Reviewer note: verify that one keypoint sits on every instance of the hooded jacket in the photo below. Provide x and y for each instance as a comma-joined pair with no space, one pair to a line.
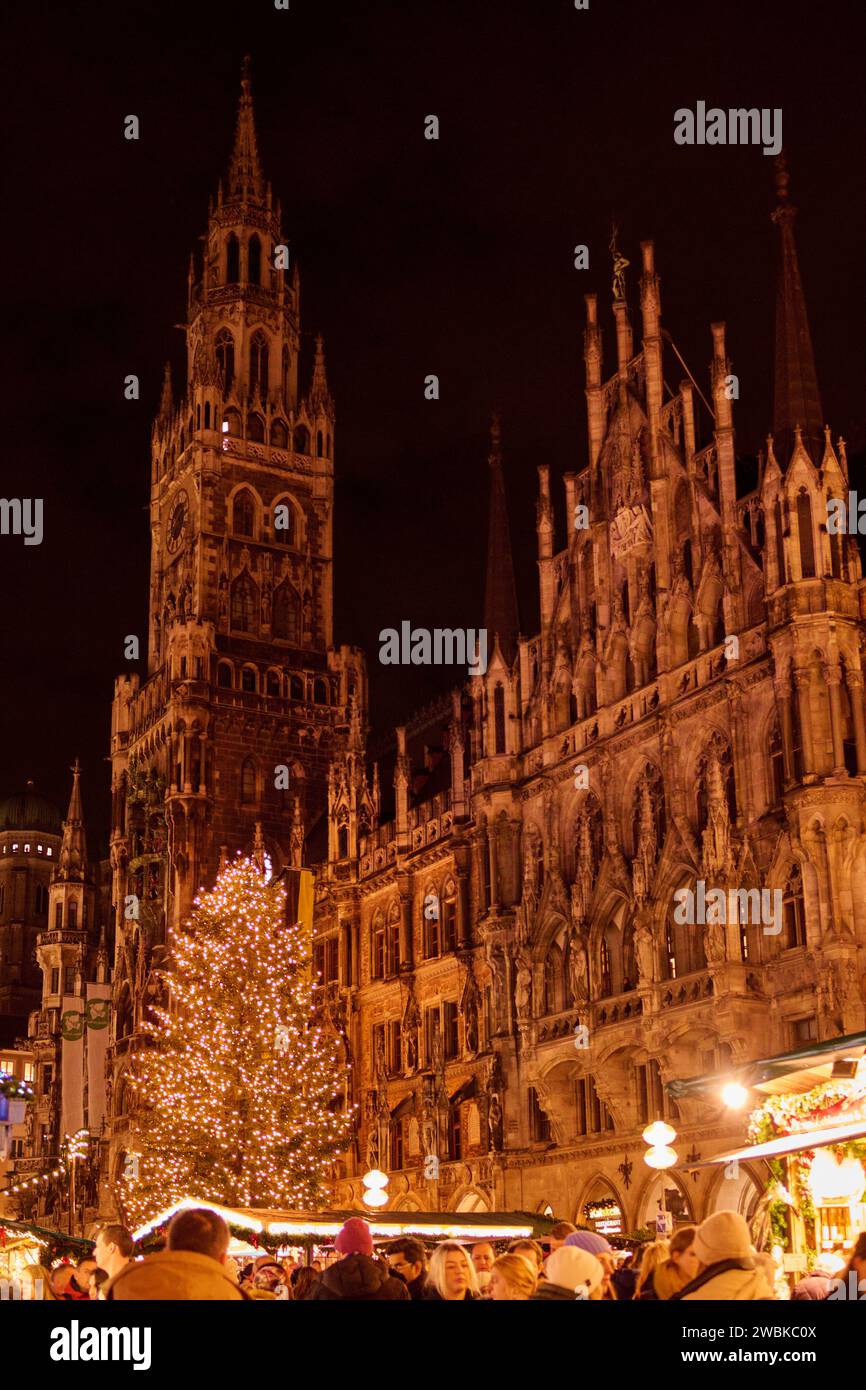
738,1280
361,1278
173,1275
547,1292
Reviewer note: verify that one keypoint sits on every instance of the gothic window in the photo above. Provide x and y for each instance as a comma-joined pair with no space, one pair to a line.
396,1146
451,1032
499,719
41,899
553,980
302,440
455,1134
849,742
793,915
431,917
343,842
688,566
378,948
807,542
259,364
279,434
296,688
684,947
393,943
777,765
224,676
285,620
448,910
244,607
780,541
274,683
248,782
232,423
320,692
319,443
233,260
248,679
243,514
797,741
287,532
254,261
284,374
207,415
606,971
255,428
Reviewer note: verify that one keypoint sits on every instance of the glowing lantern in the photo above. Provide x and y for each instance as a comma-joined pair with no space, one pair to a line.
660,1156
375,1183
659,1133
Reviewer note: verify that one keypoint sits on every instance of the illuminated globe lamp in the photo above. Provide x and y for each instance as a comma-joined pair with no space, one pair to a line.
734,1095
375,1183
660,1155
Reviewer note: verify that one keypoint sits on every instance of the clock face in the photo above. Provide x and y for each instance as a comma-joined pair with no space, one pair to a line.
178,522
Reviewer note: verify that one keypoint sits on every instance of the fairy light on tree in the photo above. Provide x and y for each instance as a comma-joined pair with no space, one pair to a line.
235,1090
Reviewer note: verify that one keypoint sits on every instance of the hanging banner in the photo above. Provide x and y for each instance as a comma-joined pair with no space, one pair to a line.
97,1013
72,1065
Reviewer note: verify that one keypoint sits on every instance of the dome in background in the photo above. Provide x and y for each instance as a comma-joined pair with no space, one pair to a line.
29,811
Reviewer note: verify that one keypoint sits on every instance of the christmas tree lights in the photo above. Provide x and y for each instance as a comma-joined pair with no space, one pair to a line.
236,1091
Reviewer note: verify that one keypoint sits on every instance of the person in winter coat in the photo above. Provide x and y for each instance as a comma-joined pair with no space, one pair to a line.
192,1267
451,1277
572,1275
816,1286
727,1267
406,1258
676,1271
653,1255
358,1277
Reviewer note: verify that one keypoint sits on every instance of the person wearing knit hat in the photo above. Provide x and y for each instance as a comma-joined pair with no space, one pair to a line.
590,1241
727,1267
358,1277
572,1274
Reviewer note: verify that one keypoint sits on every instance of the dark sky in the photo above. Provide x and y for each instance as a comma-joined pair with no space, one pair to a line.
453,257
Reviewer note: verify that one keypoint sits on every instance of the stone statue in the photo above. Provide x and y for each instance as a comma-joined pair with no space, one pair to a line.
494,1122
523,993
620,265
714,941
373,1145
577,972
472,1025
644,953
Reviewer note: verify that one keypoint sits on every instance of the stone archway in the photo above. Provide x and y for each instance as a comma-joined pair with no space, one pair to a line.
679,1202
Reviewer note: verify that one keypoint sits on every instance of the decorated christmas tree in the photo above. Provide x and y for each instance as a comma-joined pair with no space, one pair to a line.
237,1092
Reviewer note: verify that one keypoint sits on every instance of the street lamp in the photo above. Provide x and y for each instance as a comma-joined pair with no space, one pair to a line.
375,1183
660,1155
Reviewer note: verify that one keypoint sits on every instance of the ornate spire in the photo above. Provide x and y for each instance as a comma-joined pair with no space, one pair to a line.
245,181
500,594
73,848
319,393
796,400
166,400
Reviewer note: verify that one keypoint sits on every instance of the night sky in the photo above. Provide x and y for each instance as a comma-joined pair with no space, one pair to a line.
453,257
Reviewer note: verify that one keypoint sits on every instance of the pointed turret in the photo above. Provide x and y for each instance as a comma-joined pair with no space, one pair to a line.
73,850
319,393
796,400
166,400
500,593
245,181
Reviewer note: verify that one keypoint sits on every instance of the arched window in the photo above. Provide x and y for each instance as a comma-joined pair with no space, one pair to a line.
273,683
255,428
553,980
377,947
198,417
285,620
285,522
320,692
232,418
807,542
296,688
225,356
777,765
207,415
793,915
343,842
259,364
224,676
248,679
279,435
780,542
605,969
254,261
243,513
688,566
233,260
302,440
244,604
499,719
393,941
448,909
248,782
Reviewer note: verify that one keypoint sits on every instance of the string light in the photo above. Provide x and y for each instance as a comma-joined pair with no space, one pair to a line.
236,1087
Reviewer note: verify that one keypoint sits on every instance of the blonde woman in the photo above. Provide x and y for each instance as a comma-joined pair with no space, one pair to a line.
656,1253
451,1277
676,1271
513,1278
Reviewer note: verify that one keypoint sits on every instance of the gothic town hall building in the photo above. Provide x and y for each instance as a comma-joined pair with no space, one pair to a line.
494,922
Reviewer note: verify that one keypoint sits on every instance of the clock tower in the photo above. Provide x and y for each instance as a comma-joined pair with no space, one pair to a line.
228,741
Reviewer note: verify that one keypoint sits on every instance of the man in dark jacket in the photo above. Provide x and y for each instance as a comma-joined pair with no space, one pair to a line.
358,1276
406,1258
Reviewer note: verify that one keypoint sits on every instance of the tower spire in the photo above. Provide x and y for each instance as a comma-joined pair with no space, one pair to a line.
73,849
166,400
796,401
319,393
500,594
245,181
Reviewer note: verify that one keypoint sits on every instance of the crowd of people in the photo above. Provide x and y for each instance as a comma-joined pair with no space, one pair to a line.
713,1261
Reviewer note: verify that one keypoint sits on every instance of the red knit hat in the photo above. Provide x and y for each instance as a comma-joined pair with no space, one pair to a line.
354,1237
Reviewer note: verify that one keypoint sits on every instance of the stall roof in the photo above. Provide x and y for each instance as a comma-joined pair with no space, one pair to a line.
299,1226
804,1139
790,1072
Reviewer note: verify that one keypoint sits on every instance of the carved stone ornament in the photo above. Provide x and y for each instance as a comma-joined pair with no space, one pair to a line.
631,527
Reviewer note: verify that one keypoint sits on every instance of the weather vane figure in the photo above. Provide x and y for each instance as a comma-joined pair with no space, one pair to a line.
620,265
